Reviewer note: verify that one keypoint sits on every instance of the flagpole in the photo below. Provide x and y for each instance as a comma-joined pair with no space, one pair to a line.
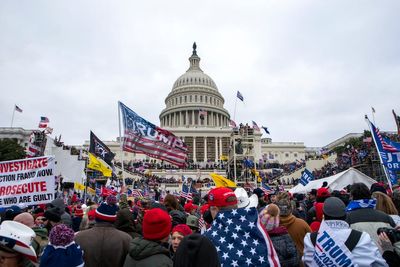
86,183
234,143
120,143
377,149
12,118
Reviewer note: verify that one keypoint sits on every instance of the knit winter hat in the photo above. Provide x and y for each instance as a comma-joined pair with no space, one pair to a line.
53,214
222,197
189,207
269,217
156,224
62,250
182,229
197,251
61,235
107,211
334,207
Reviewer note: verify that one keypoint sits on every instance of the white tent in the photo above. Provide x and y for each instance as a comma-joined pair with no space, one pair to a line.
336,182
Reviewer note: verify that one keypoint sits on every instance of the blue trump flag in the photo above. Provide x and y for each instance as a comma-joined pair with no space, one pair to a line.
306,177
389,152
241,240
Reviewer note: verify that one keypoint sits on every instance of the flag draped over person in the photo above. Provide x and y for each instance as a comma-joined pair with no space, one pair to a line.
141,136
98,148
306,177
221,181
95,164
240,239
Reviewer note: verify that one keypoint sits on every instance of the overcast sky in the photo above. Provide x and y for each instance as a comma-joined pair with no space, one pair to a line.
308,70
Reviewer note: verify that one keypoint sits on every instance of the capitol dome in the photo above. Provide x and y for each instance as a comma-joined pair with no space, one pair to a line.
194,100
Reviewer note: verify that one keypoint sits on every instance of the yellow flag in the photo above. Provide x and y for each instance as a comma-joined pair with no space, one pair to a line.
221,181
79,186
96,164
91,191
223,158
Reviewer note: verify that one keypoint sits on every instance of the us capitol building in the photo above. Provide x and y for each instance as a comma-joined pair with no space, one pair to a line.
195,112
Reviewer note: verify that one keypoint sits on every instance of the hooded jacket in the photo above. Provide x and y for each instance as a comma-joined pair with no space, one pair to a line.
284,247
65,217
297,229
365,253
143,253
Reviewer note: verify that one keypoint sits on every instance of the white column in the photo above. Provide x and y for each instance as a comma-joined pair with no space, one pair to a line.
205,149
181,118
220,146
192,117
187,117
194,149
216,149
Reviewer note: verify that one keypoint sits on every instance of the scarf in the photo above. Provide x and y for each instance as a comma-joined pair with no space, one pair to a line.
361,204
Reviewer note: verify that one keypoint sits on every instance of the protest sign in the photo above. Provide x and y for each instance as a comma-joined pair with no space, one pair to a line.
27,181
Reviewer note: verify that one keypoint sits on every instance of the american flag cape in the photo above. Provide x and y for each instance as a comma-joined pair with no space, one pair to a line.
141,136
240,239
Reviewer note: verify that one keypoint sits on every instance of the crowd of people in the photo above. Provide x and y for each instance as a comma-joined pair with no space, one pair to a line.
357,226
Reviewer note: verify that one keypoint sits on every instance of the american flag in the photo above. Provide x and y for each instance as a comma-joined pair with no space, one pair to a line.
232,124
266,189
141,136
202,224
240,96
43,122
202,112
240,239
185,193
385,142
18,109
136,193
255,126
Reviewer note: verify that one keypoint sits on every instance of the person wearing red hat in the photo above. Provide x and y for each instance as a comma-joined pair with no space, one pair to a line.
149,250
190,208
221,198
315,214
177,234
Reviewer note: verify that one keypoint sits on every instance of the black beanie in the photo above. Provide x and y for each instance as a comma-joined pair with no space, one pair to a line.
53,215
196,250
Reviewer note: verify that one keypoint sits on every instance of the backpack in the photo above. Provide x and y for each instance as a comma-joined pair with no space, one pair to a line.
350,243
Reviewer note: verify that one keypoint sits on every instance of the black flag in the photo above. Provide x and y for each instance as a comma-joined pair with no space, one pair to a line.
98,148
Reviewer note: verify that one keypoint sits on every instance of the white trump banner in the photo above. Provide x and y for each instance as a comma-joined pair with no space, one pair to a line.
27,181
